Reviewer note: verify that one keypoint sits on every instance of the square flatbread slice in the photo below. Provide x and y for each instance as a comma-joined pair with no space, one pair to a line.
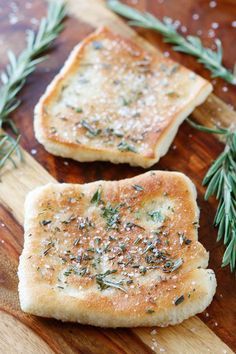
115,101
115,254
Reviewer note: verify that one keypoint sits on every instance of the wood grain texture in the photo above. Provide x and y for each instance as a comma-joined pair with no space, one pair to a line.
194,160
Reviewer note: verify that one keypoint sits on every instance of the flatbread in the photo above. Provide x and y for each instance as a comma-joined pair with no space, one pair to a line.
115,254
116,101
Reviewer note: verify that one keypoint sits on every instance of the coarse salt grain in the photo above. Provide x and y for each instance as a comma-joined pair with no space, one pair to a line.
34,21
13,19
176,24
212,4
33,151
215,25
211,33
195,17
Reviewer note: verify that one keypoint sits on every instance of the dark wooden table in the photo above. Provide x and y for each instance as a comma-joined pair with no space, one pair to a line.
191,152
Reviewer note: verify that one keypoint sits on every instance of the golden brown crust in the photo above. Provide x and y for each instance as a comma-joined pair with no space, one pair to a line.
115,101
115,253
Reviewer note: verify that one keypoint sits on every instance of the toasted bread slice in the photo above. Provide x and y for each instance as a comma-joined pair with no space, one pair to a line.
115,254
115,101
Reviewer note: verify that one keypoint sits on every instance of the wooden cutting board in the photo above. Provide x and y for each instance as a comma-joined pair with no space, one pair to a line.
20,333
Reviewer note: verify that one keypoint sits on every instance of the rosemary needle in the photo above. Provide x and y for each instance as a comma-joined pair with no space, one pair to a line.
212,60
20,67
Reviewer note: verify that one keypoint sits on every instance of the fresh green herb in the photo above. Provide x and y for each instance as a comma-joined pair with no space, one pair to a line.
69,219
97,196
74,270
111,131
125,101
183,239
138,188
156,216
105,283
170,266
97,45
91,249
130,225
50,246
124,146
137,240
76,242
85,223
112,216
142,270
8,146
221,182
173,69
149,247
122,247
179,300
172,94
79,110
212,60
82,271
14,77
45,222
72,257
150,259
93,131
150,311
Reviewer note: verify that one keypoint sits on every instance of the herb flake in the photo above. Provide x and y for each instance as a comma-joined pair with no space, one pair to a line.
96,198
124,146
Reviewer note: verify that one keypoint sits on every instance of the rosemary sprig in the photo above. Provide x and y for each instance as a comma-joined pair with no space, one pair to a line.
7,146
212,60
19,68
221,182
